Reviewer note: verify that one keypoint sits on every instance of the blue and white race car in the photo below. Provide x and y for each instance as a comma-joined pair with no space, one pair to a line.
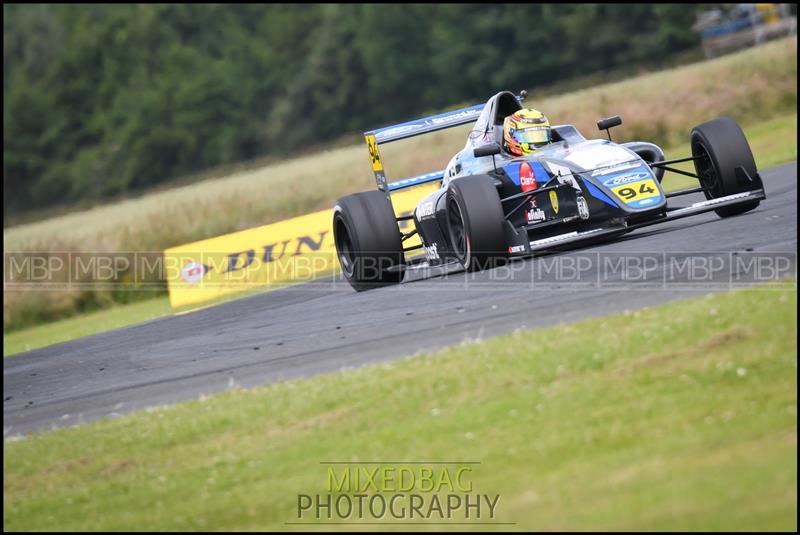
493,205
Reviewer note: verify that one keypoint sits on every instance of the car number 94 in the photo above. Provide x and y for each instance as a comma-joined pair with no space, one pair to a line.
636,191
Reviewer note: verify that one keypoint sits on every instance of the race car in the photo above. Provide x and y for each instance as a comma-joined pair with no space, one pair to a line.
493,206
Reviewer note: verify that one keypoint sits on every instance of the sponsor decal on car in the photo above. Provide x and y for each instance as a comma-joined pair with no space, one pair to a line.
527,178
616,168
534,215
554,201
401,130
464,114
375,156
583,207
625,178
516,249
634,193
432,252
539,174
527,181
425,210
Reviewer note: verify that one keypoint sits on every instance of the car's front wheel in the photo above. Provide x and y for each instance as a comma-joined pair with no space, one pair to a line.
475,222
724,163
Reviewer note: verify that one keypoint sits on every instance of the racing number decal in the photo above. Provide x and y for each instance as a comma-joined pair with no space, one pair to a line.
636,191
377,166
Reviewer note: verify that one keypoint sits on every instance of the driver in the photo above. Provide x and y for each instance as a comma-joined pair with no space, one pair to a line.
525,131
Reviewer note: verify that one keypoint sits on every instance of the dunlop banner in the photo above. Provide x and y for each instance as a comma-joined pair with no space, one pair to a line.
297,249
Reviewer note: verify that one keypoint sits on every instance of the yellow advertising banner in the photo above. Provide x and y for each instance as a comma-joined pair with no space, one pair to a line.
297,249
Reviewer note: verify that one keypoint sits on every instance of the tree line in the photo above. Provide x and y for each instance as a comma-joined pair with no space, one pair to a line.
101,100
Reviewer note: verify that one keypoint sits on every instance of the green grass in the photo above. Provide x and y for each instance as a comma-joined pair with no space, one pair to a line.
84,325
772,141
753,86
679,417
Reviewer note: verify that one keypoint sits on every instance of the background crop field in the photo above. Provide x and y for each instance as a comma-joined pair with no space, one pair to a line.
756,87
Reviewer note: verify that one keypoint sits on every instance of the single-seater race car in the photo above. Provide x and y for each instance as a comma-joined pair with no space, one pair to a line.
493,206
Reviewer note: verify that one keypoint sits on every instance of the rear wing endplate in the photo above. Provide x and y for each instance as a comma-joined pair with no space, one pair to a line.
409,129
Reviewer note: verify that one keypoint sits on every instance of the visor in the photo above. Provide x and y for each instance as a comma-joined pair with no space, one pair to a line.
534,135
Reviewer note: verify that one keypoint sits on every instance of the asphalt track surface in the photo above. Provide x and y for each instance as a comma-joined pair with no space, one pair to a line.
324,326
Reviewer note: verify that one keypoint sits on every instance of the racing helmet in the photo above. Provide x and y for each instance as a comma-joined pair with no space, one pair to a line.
524,131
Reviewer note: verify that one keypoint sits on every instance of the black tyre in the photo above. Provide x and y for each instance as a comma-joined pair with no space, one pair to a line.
475,222
723,148
368,240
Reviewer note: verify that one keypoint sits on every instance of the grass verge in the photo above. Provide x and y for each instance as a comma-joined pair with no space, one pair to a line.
773,142
679,417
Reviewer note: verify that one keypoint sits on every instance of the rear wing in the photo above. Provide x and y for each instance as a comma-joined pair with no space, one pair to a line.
409,129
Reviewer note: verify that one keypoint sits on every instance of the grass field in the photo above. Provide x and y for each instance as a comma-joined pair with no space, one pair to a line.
679,417
773,142
753,86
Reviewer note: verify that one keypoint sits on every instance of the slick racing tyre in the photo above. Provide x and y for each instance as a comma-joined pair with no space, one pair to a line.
725,164
368,240
475,222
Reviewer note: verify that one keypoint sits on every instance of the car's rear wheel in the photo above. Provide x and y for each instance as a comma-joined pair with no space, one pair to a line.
475,222
724,163
368,240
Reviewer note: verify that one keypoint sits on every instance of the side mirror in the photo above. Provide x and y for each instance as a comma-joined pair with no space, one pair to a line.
490,149
611,122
